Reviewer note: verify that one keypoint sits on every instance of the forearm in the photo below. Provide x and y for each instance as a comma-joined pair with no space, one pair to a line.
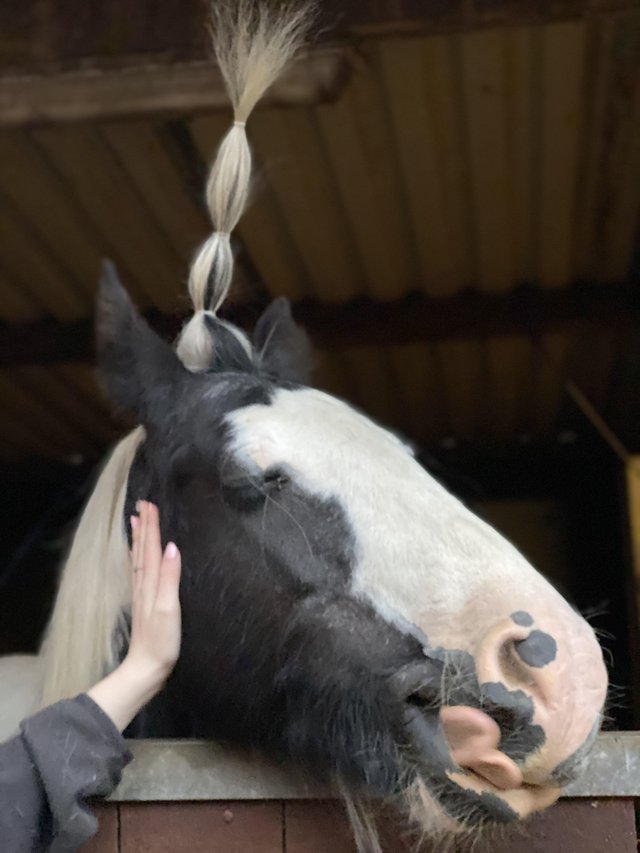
125,691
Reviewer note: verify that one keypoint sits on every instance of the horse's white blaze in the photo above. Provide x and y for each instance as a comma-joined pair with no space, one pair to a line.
420,552
21,686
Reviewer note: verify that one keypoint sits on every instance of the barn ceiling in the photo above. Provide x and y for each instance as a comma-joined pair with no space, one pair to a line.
473,193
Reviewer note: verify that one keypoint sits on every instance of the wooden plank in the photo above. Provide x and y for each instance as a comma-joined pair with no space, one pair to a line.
592,826
149,267
429,139
359,144
569,827
106,839
262,228
485,95
154,89
317,827
233,827
300,177
561,89
364,322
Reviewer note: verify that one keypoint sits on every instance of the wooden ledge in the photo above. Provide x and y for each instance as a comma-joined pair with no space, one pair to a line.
196,770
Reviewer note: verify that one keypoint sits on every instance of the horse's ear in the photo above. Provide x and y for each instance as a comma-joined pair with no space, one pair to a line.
282,346
140,370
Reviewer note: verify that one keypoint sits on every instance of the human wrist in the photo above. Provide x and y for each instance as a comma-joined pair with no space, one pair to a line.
125,691
144,678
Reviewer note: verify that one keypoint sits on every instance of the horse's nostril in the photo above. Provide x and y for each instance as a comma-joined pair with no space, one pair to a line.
419,700
537,650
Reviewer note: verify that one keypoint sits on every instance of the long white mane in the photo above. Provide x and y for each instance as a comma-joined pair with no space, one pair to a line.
253,42
95,586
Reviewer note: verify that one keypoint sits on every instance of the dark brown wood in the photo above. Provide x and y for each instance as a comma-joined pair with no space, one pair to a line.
366,322
106,841
571,826
117,33
317,827
157,89
209,827
579,826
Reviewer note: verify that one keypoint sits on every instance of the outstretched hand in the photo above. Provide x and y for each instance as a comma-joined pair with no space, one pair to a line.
155,623
155,611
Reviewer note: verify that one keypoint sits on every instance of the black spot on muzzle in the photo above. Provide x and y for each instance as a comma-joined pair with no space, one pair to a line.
538,649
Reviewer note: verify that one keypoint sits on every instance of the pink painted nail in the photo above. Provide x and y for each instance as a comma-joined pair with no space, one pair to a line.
171,551
135,521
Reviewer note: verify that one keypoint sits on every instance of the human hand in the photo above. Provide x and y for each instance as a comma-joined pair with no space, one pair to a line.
155,624
155,610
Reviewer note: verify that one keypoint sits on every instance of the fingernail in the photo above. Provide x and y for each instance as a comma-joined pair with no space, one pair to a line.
138,506
171,551
135,521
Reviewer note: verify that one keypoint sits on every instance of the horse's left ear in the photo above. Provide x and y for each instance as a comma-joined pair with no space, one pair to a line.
141,372
282,346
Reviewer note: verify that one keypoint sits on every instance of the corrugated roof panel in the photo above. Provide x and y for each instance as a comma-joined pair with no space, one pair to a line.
290,149
422,89
148,264
359,145
150,170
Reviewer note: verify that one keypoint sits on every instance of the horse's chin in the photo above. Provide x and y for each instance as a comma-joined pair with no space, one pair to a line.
431,821
427,817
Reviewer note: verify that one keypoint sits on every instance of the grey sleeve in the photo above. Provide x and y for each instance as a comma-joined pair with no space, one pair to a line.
64,755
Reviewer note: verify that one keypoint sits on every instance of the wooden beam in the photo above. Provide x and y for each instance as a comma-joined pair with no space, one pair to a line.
64,36
158,89
364,322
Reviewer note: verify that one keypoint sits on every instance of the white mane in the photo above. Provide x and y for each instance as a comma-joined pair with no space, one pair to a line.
95,586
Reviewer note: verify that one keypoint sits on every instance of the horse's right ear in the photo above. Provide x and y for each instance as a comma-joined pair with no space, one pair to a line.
140,370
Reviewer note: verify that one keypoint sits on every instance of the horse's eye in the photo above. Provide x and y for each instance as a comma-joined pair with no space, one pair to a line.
275,478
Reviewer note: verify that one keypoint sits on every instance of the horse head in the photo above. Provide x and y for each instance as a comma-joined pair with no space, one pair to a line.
341,608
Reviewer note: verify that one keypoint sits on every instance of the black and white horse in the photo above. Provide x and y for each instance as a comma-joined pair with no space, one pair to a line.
342,610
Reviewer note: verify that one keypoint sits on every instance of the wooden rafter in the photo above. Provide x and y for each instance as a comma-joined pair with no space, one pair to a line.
366,322
155,88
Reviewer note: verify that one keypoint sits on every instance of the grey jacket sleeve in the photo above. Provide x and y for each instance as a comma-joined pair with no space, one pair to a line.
65,754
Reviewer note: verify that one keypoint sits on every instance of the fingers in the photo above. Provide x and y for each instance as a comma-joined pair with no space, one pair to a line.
135,556
156,575
167,597
151,555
